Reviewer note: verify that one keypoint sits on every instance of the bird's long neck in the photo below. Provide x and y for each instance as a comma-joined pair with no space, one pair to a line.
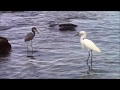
33,32
82,38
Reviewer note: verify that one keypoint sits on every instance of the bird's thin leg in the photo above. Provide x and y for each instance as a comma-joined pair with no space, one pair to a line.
31,46
91,59
88,59
27,48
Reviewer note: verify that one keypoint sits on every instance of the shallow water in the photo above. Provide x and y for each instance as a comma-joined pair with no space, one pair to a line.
59,54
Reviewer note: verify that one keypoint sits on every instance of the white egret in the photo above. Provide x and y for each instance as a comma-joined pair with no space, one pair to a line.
30,36
88,44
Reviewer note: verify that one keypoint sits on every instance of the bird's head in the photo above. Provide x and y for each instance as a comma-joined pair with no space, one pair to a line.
34,29
81,33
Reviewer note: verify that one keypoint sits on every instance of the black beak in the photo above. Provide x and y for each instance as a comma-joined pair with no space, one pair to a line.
77,35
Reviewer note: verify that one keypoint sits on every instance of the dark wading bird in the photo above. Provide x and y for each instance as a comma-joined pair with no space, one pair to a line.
30,36
88,44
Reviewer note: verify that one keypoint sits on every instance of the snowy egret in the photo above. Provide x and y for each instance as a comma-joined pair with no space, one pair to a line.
30,36
87,44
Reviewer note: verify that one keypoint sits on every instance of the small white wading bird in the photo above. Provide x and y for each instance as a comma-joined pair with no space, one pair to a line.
87,44
30,36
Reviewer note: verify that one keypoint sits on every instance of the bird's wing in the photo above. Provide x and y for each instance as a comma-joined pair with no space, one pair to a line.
90,45
29,36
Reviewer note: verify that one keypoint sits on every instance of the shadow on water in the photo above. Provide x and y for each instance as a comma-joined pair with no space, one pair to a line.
31,57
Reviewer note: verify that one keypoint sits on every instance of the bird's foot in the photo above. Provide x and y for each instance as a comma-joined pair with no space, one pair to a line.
88,72
30,56
91,69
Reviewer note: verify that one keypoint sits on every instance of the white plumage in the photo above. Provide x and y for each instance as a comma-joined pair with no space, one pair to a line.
90,45
86,43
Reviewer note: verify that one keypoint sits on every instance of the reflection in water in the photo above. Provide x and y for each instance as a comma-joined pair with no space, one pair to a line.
31,57
88,71
96,74
91,76
5,55
29,53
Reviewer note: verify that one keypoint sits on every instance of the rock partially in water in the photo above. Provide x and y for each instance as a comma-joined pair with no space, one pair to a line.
52,24
67,26
5,27
5,46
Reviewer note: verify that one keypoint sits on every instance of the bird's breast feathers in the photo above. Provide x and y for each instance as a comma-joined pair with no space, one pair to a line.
29,36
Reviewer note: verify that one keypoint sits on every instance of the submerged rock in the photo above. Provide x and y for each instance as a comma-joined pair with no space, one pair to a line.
67,26
5,46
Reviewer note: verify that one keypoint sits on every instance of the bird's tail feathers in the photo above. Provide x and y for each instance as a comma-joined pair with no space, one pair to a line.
97,50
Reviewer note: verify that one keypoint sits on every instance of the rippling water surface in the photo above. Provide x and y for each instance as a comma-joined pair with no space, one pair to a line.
58,54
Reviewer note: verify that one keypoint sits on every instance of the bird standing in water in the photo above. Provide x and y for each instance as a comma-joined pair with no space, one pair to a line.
88,44
30,36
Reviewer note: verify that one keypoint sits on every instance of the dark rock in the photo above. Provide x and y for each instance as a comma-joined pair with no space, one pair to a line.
65,27
5,46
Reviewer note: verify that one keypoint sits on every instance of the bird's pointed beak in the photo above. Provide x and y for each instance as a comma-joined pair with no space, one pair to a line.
76,35
37,31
